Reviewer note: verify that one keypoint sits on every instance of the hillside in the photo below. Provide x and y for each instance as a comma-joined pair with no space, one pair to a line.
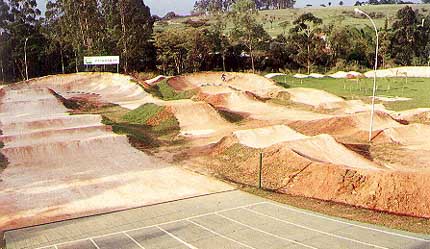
330,15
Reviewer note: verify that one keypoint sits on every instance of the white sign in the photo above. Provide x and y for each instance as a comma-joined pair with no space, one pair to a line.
101,60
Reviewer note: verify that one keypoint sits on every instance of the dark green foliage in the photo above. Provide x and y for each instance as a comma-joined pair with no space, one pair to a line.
230,116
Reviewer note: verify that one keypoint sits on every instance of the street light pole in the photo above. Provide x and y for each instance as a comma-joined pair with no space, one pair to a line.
358,11
25,58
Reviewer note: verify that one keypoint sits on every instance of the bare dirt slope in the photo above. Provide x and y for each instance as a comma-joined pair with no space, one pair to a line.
267,136
197,118
62,166
321,148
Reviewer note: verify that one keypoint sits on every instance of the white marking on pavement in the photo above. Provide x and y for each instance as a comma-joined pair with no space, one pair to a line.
132,239
220,235
262,231
347,223
160,224
94,243
315,230
177,238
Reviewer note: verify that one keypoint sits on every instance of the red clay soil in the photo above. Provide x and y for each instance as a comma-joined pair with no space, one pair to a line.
164,115
286,171
353,127
180,83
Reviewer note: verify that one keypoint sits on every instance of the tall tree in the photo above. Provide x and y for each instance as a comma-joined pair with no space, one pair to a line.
84,25
405,36
136,31
5,45
247,30
220,39
307,36
22,30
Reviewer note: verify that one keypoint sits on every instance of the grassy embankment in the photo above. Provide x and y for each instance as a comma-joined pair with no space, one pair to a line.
164,91
337,15
148,126
416,89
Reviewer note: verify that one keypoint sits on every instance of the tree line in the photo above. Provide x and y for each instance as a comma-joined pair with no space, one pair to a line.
232,40
236,40
70,30
206,6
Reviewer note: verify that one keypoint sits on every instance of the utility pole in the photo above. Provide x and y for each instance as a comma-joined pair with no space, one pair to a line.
25,58
375,70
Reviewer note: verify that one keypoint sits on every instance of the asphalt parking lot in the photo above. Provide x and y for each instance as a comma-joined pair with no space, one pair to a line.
232,219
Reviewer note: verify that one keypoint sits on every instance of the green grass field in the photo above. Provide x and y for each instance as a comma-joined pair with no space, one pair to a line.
418,89
330,15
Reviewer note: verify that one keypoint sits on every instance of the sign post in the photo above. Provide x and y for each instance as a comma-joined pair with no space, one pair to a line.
102,60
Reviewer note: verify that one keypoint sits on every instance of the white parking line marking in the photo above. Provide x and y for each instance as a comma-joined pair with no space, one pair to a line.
94,243
132,239
177,238
160,224
347,223
262,231
315,230
220,235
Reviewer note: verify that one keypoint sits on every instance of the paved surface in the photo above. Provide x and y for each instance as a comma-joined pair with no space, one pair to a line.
225,220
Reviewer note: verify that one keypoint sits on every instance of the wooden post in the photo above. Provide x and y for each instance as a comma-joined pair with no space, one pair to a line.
260,171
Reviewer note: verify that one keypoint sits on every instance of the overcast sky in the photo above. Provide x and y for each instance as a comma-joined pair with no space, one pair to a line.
161,7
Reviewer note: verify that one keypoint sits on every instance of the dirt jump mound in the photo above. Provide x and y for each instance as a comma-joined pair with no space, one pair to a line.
321,168
109,88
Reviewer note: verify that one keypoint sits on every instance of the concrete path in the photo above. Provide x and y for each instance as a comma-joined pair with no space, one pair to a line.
232,219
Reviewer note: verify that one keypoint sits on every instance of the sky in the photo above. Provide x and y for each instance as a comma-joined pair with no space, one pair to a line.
161,7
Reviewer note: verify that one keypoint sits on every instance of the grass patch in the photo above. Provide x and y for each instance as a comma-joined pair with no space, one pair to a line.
142,114
164,91
134,125
406,223
417,89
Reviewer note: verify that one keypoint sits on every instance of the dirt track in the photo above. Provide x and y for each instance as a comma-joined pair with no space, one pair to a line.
63,166
317,166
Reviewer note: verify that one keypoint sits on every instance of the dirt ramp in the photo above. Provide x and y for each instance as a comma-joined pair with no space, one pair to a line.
32,102
256,84
319,168
49,136
240,102
414,136
313,97
110,88
17,126
356,125
419,115
267,136
325,149
197,118
388,191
